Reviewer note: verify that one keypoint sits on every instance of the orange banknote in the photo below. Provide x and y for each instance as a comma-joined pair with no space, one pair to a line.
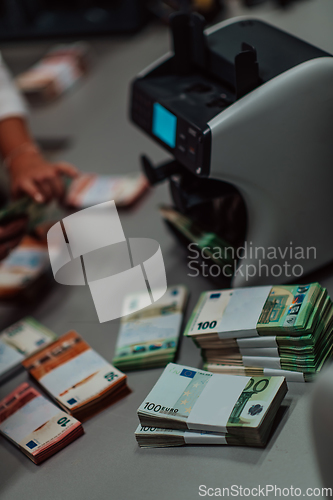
76,376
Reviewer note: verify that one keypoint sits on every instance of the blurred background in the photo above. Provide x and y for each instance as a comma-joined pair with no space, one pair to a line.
40,19
122,37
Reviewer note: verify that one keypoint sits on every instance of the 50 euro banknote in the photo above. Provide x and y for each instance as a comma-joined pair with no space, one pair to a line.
80,380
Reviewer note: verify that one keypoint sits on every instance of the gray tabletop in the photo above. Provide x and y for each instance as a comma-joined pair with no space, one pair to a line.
106,462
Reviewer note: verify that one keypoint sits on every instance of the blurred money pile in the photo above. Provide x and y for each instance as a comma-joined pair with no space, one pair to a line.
91,189
20,340
35,425
149,338
24,207
80,380
28,262
57,72
281,330
192,402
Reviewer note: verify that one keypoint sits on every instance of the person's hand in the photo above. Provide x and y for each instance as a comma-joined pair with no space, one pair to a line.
11,235
31,174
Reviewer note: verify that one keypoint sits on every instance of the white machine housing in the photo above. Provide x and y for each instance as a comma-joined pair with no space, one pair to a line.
273,142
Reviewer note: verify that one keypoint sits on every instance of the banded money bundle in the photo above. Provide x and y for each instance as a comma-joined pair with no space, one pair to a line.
35,425
281,330
237,410
80,380
156,437
23,207
26,264
55,73
212,247
91,189
19,341
149,338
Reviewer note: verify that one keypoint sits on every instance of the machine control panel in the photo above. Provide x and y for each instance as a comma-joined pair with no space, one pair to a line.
188,144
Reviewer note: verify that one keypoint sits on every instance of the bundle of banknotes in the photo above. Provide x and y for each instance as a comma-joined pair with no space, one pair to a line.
188,405
20,340
35,425
80,380
156,437
91,189
37,214
281,330
57,72
218,250
28,262
149,338
24,207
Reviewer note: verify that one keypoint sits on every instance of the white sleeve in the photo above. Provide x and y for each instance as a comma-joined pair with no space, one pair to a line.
11,101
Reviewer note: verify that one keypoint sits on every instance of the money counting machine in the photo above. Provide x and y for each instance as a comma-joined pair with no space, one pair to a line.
246,111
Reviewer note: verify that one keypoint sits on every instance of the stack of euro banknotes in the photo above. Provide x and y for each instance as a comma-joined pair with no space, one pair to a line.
282,330
79,380
149,338
191,406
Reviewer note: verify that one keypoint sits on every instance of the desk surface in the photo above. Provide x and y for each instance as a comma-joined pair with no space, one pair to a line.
106,462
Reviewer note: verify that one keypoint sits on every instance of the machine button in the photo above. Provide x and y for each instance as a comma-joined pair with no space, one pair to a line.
192,148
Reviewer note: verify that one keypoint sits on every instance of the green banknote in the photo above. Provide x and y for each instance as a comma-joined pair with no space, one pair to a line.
149,338
217,249
293,308
190,399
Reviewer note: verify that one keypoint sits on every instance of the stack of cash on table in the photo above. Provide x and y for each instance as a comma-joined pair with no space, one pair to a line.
19,341
149,338
35,425
90,189
55,73
26,264
191,406
80,380
281,330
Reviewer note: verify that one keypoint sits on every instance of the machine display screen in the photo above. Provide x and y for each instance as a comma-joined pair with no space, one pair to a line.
164,125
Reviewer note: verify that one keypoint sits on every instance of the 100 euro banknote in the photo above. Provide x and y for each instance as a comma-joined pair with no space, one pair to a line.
150,337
